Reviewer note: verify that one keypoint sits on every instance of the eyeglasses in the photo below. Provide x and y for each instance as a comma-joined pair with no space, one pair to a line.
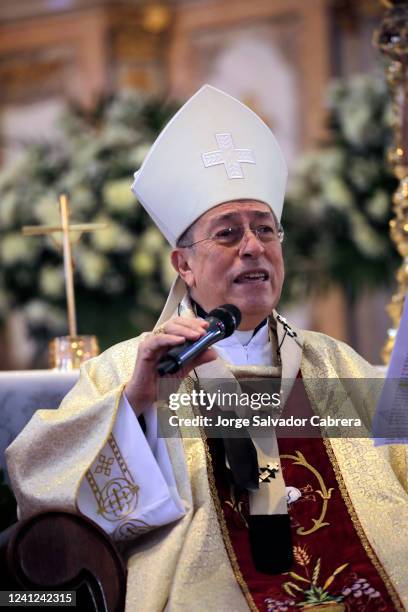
231,236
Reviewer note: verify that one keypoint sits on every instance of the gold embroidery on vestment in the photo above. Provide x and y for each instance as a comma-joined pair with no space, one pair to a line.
119,458
104,442
120,495
360,531
299,459
104,465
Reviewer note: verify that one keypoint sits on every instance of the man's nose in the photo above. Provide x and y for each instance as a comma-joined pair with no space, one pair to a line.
250,244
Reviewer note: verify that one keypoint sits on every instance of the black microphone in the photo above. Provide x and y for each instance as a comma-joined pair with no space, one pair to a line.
223,322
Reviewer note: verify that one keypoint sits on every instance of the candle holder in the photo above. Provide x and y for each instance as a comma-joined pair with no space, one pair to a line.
70,352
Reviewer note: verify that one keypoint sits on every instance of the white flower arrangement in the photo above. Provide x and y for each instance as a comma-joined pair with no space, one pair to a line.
342,193
143,263
52,281
14,249
118,196
116,269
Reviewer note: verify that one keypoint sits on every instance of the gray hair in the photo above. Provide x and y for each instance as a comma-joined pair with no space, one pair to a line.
187,237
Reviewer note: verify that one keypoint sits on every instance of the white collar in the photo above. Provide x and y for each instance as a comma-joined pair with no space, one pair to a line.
247,338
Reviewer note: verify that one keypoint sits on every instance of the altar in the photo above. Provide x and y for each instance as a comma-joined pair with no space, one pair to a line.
24,392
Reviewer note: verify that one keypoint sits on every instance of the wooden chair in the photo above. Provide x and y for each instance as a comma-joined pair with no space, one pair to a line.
61,551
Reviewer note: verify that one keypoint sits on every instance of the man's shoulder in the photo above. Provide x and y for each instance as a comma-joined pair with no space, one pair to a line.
314,338
332,357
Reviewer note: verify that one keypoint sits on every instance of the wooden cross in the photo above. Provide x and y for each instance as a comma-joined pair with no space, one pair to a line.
65,228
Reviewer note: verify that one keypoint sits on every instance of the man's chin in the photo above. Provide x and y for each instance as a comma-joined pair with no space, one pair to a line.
252,306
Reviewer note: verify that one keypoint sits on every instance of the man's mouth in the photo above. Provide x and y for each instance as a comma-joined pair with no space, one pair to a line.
252,277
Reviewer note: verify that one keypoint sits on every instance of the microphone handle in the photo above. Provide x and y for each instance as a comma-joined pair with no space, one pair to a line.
179,356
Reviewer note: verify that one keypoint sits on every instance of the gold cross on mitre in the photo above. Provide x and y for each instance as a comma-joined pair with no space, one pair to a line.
65,228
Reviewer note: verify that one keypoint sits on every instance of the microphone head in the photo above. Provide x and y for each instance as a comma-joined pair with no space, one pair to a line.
229,315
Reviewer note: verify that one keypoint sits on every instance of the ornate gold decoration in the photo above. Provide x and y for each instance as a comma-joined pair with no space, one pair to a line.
324,492
312,592
70,352
156,18
119,496
117,499
391,38
104,465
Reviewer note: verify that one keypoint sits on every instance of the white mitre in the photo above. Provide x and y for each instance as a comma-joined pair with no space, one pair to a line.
214,150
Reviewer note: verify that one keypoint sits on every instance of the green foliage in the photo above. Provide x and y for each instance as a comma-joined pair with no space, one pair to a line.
338,204
317,595
122,273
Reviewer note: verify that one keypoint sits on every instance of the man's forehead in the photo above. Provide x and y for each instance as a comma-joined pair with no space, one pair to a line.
235,208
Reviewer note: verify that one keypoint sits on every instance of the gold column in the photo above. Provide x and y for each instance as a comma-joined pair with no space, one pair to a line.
391,38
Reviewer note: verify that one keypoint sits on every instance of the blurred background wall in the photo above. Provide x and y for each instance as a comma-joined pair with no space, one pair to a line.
277,56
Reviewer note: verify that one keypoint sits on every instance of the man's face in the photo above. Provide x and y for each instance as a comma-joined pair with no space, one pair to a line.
248,274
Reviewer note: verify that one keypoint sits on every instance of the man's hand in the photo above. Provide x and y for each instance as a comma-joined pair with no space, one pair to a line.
141,390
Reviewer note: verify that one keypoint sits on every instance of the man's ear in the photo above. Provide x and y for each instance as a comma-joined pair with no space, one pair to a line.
180,263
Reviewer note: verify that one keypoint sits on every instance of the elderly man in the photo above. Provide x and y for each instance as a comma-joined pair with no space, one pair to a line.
254,522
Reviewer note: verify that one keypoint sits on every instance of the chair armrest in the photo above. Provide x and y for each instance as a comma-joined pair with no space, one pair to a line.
61,551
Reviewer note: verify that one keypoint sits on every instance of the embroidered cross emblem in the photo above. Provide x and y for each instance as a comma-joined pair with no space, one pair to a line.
104,465
268,472
229,156
118,499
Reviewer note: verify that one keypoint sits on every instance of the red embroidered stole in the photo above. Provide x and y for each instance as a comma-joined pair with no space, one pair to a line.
334,566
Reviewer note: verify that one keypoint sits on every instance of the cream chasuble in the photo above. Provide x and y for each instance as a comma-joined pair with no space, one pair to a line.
138,468
187,564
